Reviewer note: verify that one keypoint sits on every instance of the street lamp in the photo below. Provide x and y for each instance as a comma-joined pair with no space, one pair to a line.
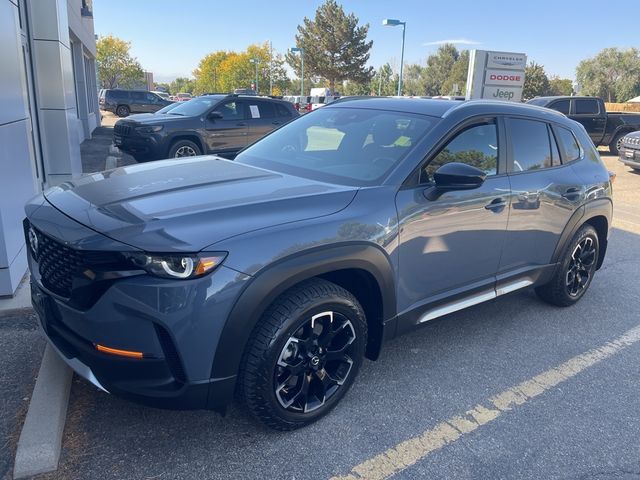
389,22
296,49
256,62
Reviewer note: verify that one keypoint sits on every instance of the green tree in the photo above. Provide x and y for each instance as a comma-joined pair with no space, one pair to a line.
116,66
384,81
439,68
612,74
208,71
560,86
457,76
182,85
335,47
536,82
414,81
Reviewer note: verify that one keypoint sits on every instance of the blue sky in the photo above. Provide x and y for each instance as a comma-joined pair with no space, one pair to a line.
169,37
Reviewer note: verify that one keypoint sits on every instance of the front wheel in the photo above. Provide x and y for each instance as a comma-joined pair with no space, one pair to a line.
123,111
184,148
303,355
575,272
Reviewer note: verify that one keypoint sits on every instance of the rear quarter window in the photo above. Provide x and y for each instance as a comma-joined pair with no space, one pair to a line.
568,143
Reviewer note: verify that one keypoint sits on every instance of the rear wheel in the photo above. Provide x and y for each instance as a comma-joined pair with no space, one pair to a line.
123,111
303,355
575,273
616,144
184,148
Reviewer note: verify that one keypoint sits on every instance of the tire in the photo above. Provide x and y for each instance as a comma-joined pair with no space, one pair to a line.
184,148
575,270
123,111
283,374
616,143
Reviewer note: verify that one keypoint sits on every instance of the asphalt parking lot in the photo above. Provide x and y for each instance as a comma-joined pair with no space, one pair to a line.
579,421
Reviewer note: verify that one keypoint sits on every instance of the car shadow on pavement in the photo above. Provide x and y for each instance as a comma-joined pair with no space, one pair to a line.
430,374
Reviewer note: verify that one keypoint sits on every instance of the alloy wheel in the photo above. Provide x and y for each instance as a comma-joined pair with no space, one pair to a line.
185,151
581,266
314,362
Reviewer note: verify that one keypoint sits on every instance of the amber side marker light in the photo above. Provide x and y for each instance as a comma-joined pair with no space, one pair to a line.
117,351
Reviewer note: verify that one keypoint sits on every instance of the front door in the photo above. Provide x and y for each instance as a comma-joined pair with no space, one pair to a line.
229,133
451,241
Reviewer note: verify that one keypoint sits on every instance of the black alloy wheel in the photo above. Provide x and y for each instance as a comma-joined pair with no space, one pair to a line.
303,355
315,362
581,266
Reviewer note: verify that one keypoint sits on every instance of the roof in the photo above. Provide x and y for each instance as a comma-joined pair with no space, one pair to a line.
442,108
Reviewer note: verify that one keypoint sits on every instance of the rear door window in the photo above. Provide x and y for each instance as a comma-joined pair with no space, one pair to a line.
587,106
282,111
266,109
530,147
140,97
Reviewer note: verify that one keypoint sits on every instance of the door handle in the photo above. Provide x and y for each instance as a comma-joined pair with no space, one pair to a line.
571,193
496,205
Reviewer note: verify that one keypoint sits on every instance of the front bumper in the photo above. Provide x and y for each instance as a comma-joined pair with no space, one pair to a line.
630,157
175,324
148,145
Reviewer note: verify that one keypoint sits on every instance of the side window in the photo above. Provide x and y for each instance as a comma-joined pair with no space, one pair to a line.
561,106
587,107
282,111
138,96
231,110
530,145
476,145
568,144
152,98
267,110
555,153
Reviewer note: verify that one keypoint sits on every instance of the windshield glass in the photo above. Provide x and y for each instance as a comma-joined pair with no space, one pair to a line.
168,108
195,106
340,145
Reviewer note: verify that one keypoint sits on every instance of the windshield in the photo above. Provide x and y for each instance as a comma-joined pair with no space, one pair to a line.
340,145
169,107
195,106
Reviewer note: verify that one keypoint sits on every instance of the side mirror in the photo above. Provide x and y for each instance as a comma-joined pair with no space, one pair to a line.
215,116
458,176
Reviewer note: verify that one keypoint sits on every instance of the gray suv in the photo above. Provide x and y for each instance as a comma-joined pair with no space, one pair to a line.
182,282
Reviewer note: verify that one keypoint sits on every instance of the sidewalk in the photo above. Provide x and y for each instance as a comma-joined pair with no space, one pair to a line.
21,346
94,151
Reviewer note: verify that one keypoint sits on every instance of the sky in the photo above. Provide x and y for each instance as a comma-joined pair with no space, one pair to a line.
169,38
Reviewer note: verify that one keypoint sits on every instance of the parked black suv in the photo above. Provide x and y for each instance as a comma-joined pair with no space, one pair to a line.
218,124
125,102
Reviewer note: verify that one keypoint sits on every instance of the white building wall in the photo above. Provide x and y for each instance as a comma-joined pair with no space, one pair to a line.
46,110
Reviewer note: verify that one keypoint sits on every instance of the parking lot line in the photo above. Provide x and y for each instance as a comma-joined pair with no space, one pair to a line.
411,451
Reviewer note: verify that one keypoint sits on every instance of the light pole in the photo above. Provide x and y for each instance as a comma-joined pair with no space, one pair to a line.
389,22
256,62
296,49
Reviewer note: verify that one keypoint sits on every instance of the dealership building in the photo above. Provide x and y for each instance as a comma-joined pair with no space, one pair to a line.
49,106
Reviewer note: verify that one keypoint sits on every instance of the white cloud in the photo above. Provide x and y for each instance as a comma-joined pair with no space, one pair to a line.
455,41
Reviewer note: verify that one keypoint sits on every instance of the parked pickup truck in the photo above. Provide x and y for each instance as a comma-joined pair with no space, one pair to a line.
604,128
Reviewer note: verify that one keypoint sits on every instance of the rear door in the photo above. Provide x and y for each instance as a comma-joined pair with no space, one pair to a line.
590,113
545,192
229,133
262,119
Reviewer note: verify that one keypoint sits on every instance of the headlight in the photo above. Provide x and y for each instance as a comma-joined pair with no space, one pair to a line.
149,129
178,266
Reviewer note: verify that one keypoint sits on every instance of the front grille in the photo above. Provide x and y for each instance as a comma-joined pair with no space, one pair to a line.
57,264
123,130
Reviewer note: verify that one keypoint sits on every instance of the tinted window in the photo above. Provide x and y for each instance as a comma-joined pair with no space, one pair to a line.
282,111
569,144
267,109
341,145
530,145
477,146
232,110
195,106
587,107
139,96
562,106
118,94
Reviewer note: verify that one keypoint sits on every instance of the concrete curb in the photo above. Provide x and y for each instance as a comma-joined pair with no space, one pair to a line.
41,437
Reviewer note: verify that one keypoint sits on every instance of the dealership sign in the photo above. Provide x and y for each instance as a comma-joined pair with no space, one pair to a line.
496,75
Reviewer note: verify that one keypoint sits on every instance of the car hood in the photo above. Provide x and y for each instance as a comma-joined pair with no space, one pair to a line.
152,118
186,205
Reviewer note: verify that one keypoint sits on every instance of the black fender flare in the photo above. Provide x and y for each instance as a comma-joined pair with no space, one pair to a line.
271,282
185,135
591,209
